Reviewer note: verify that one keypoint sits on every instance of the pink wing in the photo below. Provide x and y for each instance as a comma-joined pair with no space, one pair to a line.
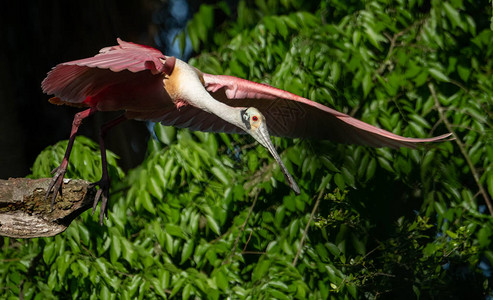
115,66
293,116
125,56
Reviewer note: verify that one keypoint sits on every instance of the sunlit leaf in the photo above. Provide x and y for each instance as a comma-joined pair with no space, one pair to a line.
438,75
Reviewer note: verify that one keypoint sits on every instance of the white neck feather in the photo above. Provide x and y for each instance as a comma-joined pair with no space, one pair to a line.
194,93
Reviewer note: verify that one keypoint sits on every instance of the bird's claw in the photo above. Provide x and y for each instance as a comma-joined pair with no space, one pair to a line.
102,193
54,170
56,183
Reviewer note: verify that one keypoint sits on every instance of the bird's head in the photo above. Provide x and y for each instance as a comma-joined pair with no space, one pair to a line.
254,123
253,120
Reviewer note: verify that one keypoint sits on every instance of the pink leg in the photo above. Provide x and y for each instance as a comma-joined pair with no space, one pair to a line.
59,173
104,183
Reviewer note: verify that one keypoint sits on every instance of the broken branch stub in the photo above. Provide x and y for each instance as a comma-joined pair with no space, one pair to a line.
25,212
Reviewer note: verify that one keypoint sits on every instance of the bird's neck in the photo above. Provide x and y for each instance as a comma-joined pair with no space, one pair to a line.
185,84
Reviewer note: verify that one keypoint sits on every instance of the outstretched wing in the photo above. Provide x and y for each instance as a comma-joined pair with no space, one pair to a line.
119,75
76,80
293,116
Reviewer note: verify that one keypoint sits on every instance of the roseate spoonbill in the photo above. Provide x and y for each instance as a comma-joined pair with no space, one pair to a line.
148,85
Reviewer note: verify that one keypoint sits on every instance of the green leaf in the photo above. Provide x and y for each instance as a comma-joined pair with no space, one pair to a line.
419,120
370,171
221,280
166,134
452,234
237,69
359,245
154,187
128,251
252,161
281,27
489,182
453,15
328,163
278,285
175,230
115,249
348,177
146,201
279,216
52,280
439,208
367,84
421,78
83,267
260,270
213,224
335,72
438,75
339,180
374,37
49,253
290,203
384,163
221,175
484,235
188,249
104,293
333,249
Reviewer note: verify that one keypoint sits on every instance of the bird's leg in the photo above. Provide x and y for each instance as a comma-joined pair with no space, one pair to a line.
104,182
59,172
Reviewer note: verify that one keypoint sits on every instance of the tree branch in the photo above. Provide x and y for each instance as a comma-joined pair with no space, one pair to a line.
462,148
237,240
305,232
25,212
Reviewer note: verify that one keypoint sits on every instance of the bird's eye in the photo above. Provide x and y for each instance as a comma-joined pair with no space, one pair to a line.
255,118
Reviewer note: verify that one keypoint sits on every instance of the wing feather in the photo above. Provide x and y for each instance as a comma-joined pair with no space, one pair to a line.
196,119
290,115
129,56
76,80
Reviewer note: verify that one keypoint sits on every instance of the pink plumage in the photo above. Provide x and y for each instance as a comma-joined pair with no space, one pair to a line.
116,69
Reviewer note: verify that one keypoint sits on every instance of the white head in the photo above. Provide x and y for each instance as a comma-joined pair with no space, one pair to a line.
253,122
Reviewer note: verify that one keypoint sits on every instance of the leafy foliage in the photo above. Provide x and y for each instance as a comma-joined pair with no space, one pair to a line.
210,216
84,163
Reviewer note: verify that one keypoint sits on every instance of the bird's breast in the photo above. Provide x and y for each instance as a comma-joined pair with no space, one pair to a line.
182,82
173,87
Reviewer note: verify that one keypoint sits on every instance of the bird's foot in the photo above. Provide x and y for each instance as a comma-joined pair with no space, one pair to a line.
56,182
102,194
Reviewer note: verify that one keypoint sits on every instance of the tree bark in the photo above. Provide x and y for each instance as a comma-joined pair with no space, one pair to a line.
26,213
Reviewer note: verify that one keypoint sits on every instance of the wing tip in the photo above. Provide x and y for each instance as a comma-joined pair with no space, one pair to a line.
414,143
444,137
